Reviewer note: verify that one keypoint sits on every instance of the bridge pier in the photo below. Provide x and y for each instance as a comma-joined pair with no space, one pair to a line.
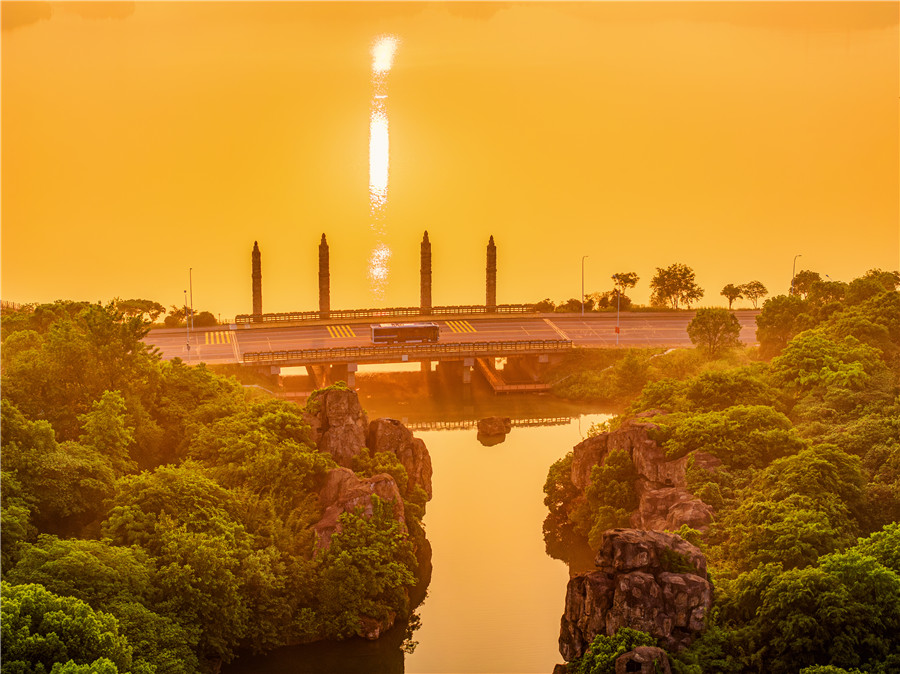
345,372
467,365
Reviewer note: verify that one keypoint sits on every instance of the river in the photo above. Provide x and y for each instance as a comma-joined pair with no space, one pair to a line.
495,598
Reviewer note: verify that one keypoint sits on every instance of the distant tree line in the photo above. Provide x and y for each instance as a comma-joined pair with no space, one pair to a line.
672,287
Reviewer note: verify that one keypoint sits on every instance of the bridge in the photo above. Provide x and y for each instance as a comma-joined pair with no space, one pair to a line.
333,343
528,340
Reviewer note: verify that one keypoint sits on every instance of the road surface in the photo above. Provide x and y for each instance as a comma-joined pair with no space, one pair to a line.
226,344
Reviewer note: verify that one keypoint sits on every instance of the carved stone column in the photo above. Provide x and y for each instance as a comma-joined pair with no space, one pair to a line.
324,281
425,276
257,280
491,289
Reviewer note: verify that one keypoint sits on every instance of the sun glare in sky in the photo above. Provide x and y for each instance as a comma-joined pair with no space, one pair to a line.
144,139
379,162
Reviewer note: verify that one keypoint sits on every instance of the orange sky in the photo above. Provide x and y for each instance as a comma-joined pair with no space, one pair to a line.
141,139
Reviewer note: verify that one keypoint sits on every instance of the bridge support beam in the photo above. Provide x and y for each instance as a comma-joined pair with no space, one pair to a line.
345,372
468,364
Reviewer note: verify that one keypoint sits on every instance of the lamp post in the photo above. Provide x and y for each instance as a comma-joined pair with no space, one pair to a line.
191,286
582,284
794,271
187,328
618,295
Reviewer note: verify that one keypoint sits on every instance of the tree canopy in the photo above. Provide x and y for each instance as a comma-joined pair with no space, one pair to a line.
675,287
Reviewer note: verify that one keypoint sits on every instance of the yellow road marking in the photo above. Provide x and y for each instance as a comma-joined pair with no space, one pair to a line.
217,337
460,326
338,331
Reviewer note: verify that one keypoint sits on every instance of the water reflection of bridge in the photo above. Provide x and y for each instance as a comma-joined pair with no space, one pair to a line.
466,424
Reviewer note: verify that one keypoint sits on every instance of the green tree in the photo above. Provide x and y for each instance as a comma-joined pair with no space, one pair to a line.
753,291
611,495
65,484
104,430
741,436
204,319
845,613
714,330
625,280
600,657
40,629
675,287
803,282
732,292
365,571
782,317
717,390
147,310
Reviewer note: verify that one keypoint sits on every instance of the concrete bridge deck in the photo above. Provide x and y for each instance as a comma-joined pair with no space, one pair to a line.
324,342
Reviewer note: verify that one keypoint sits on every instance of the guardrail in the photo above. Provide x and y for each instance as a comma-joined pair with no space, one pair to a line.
393,312
467,424
403,352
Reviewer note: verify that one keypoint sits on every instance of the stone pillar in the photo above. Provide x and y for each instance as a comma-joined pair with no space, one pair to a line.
491,294
324,281
468,364
257,280
425,276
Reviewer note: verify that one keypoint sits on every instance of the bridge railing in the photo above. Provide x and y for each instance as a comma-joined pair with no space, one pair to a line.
402,352
393,312
466,424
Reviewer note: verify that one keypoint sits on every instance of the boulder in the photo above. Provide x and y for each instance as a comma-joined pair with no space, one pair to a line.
646,580
344,492
338,424
494,426
389,435
663,499
644,660
630,436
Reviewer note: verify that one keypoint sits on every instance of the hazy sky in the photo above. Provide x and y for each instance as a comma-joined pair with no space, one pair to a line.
143,139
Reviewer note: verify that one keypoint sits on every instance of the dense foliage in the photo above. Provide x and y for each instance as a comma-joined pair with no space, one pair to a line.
803,546
156,519
600,656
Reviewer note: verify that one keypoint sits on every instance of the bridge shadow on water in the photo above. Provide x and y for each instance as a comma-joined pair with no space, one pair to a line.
432,401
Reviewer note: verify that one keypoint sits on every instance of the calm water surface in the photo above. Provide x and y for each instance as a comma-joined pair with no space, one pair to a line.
495,598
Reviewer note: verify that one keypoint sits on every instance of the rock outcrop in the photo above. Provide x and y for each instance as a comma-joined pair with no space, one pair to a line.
389,435
644,660
338,424
494,426
646,580
344,492
663,499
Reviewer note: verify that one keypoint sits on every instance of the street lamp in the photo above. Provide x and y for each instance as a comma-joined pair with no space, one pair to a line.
794,271
618,295
582,284
187,328
191,286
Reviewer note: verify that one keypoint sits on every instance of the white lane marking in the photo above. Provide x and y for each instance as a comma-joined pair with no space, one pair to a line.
558,331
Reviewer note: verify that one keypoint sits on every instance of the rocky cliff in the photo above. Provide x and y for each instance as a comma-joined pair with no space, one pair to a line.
340,427
646,580
663,499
